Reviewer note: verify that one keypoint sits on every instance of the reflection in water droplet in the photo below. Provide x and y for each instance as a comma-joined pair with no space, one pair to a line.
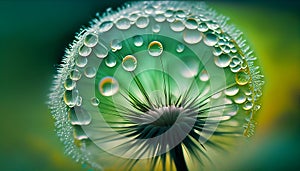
110,61
191,23
142,22
90,72
248,105
84,50
69,84
138,40
75,75
210,39
204,75
177,26
180,48
192,36
202,27
81,61
91,40
100,50
242,78
95,101
116,45
108,86
123,24
129,63
155,48
105,26
222,60
231,91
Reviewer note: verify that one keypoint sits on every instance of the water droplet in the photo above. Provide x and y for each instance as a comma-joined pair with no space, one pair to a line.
222,60
133,17
69,84
192,36
156,28
242,78
212,25
70,97
79,101
248,105
239,98
169,13
210,39
217,51
95,101
108,86
90,72
180,14
177,26
191,23
256,107
236,68
81,61
110,61
231,91
79,133
105,26
129,63
138,40
204,75
202,27
160,18
225,48
100,50
91,40
155,48
142,22
84,50
75,75
116,45
123,23
149,9
180,48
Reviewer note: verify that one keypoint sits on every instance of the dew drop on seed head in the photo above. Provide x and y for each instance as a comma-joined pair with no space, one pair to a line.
84,50
90,72
110,61
100,50
69,84
123,23
142,22
191,23
192,36
95,101
177,26
129,63
108,86
204,75
222,60
231,91
180,48
105,26
116,45
242,78
155,48
81,61
138,40
210,39
90,40
75,75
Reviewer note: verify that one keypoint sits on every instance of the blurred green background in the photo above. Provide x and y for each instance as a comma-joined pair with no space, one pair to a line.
34,35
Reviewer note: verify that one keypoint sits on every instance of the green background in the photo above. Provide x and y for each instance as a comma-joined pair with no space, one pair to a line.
34,35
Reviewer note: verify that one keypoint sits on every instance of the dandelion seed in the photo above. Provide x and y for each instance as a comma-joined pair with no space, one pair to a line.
157,85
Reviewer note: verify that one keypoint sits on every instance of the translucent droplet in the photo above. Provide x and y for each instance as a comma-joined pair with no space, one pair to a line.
116,45
142,22
192,36
81,61
84,50
90,72
217,51
79,133
210,39
129,63
75,75
191,23
108,86
110,61
95,101
138,40
133,17
70,97
160,18
248,105
169,13
177,26
123,23
204,75
91,40
156,28
212,25
242,78
231,91
155,48
69,84
202,27
222,60
239,98
236,68
100,50
180,14
105,26
79,101
180,48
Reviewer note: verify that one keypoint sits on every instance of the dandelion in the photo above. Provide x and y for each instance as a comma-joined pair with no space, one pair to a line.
158,85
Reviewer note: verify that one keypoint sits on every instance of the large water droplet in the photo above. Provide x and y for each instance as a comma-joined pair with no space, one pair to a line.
142,22
242,78
231,91
70,97
95,101
123,23
90,72
81,61
116,45
84,50
138,40
108,86
91,40
69,84
75,75
110,61
222,60
129,63
192,36
191,23
210,39
155,48
180,48
204,75
105,26
177,26
100,50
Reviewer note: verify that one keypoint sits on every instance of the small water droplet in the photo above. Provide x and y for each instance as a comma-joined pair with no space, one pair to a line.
133,17
217,51
222,60
231,91
248,105
91,40
177,26
108,86
169,13
180,14
105,26
180,48
155,48
202,27
84,50
95,101
192,36
160,18
123,23
242,78
191,23
239,98
204,75
79,101
69,84
210,39
70,97
116,44
156,28
142,22
75,75
90,72
212,25
138,40
79,133
129,63
100,50
110,61
236,68
81,61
